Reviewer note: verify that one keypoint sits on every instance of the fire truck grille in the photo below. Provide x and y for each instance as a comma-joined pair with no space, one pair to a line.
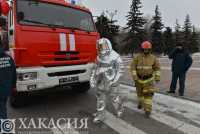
65,73
66,52
64,59
67,56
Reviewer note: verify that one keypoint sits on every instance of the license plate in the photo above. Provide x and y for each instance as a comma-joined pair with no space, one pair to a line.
68,80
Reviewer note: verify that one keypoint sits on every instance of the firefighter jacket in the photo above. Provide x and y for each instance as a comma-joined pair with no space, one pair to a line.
145,68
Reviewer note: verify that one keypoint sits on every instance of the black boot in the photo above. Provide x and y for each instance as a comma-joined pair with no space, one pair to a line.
139,106
171,92
181,94
147,114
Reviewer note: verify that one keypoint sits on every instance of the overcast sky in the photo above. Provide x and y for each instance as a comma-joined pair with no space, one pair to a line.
170,9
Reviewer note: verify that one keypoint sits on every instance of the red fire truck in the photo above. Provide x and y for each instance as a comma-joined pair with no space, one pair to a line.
53,44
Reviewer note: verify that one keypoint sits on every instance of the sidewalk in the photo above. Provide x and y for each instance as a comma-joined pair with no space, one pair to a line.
192,90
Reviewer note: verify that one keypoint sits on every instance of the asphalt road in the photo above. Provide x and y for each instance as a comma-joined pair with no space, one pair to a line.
68,112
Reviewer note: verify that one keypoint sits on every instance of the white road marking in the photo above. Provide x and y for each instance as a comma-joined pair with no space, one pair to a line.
56,131
168,120
72,42
163,103
64,130
173,104
63,42
158,115
121,126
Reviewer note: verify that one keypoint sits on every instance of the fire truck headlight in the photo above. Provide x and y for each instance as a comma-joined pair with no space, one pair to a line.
27,76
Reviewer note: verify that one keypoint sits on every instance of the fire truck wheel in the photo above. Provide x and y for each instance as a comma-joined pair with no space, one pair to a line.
17,100
83,87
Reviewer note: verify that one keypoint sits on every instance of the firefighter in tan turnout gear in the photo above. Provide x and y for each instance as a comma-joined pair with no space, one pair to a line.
145,70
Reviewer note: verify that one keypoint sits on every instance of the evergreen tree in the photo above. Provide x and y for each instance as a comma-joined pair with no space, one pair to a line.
157,27
168,40
107,28
102,25
135,25
178,33
194,45
187,31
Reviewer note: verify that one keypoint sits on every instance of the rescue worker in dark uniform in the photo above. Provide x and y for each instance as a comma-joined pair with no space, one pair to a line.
7,81
145,69
181,62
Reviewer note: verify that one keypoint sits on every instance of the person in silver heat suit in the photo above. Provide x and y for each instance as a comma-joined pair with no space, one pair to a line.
105,78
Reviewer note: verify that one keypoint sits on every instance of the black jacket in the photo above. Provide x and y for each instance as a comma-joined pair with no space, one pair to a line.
181,60
7,74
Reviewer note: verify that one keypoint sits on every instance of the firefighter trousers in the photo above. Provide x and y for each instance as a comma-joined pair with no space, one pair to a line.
145,94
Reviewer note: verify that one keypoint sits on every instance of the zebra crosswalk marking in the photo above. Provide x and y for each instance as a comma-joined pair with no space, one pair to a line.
64,130
120,126
158,114
168,120
165,103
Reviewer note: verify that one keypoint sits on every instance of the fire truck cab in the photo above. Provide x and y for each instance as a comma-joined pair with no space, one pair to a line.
53,43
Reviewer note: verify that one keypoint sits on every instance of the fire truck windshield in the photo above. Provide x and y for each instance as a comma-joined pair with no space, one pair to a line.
37,13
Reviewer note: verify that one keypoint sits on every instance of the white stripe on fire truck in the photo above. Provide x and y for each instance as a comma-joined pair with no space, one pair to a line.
63,42
72,42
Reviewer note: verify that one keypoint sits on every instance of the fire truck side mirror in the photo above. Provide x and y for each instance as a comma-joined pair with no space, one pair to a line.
2,21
